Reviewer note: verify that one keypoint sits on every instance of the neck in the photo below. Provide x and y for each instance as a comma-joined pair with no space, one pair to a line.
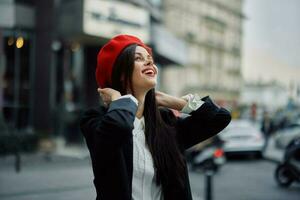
141,99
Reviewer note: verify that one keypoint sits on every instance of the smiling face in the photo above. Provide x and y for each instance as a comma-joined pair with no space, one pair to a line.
144,76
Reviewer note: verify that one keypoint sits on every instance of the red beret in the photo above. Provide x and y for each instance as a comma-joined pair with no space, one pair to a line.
108,55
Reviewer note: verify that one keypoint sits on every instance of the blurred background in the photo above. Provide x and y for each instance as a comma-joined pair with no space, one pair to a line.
242,53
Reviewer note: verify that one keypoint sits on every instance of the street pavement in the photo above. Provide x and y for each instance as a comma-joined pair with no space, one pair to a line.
246,179
69,178
62,178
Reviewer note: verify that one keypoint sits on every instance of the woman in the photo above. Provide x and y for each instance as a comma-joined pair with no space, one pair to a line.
135,141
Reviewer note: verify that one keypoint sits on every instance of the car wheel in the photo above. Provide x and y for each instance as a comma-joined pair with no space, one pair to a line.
283,176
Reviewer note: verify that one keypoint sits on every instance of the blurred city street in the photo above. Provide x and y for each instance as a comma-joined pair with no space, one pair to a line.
67,178
243,54
61,178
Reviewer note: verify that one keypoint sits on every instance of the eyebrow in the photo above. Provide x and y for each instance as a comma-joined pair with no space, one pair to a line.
149,56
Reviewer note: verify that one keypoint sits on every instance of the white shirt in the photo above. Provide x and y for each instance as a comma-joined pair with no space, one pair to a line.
143,177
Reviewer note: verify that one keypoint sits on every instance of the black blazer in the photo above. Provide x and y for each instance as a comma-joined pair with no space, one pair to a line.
108,134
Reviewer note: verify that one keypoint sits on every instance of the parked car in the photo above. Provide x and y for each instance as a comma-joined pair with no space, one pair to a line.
242,137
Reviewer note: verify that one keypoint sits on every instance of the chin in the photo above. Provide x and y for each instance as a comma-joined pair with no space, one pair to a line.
150,86
144,84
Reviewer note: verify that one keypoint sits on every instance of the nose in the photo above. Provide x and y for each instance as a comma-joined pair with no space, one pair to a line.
149,62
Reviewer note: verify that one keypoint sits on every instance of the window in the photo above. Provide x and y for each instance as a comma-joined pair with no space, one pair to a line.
16,81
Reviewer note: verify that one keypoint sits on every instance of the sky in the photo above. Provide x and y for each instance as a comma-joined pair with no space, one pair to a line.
271,45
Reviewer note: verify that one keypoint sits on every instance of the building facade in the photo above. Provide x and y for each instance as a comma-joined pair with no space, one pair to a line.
17,41
48,52
213,32
270,96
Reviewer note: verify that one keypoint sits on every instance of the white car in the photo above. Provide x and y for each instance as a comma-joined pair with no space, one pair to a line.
242,136
286,135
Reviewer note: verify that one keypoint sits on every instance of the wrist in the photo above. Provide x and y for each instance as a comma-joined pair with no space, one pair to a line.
115,96
175,103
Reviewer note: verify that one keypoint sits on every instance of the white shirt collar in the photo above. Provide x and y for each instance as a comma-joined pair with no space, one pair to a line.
139,124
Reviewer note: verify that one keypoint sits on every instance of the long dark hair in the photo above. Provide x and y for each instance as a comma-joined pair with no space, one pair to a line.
161,138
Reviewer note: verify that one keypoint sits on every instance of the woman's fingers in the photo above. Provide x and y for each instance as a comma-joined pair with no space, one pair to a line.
107,91
108,94
113,94
103,92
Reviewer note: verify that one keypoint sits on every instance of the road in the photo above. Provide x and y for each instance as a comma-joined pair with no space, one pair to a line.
71,179
246,180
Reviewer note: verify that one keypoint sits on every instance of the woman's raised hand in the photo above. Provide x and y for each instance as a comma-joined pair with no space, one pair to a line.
161,98
108,95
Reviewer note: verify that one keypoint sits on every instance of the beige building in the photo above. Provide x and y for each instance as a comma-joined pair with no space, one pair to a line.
212,30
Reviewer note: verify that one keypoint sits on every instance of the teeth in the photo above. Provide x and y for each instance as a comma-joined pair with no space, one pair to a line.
149,71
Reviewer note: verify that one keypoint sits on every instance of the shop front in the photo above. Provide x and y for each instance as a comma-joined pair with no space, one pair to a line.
17,46
84,26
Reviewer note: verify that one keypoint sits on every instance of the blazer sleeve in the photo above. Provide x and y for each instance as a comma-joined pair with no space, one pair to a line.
108,129
203,123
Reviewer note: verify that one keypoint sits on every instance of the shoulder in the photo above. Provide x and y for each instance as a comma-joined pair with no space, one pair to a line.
92,113
96,109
